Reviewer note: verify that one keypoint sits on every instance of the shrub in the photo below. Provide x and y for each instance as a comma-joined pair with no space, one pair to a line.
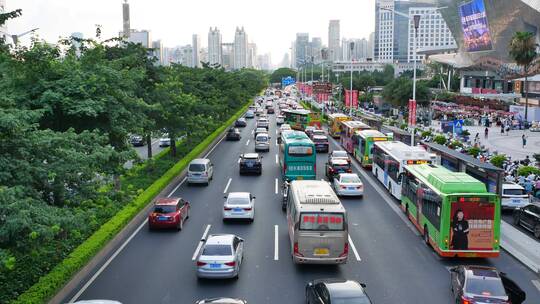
440,139
455,144
498,160
465,133
474,151
526,170
426,133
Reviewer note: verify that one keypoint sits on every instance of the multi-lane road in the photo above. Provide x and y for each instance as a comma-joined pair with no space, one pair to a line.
387,254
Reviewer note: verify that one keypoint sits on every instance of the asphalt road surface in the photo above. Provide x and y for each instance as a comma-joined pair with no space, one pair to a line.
388,255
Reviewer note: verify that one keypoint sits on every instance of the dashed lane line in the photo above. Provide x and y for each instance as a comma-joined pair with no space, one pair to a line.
228,184
276,242
205,234
356,255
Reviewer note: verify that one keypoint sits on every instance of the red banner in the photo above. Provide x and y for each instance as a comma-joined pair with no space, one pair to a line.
412,112
354,98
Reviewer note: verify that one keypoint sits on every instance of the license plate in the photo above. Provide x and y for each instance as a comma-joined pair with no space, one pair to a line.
238,210
351,188
163,218
300,177
215,265
321,251
516,201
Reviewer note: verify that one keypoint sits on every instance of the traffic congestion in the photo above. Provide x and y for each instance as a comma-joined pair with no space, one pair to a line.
344,214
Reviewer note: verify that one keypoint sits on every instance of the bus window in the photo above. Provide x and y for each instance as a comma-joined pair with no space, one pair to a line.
300,151
431,206
393,169
321,221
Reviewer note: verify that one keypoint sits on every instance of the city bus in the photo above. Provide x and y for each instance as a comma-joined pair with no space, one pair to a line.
453,211
334,124
297,157
389,159
349,128
299,119
317,224
363,144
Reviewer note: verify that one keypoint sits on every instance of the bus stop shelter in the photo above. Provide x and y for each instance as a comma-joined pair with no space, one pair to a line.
455,161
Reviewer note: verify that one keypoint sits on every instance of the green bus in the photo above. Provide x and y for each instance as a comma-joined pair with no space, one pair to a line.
297,158
363,141
299,119
453,211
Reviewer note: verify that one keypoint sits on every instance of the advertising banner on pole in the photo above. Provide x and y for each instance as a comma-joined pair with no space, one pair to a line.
412,112
354,94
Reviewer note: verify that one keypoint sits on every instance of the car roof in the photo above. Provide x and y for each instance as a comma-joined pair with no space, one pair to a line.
512,186
167,201
340,151
251,155
261,134
217,239
473,271
320,137
222,301
339,161
238,195
348,175
343,288
201,161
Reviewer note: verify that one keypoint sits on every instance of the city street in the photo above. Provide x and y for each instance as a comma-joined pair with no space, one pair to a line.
387,254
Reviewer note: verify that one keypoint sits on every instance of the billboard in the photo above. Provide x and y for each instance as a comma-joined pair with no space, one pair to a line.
471,226
474,23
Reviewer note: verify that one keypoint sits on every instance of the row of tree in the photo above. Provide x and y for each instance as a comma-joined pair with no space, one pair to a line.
66,113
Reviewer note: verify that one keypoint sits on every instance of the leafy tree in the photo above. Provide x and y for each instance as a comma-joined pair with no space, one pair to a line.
523,50
399,91
278,74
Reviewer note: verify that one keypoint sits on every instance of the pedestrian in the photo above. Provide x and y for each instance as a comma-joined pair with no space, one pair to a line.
502,129
528,185
523,140
507,129
527,161
486,131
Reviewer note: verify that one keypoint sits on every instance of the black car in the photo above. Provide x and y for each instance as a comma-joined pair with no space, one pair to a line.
529,218
137,140
482,284
336,291
222,301
233,134
240,122
321,143
251,163
336,166
270,110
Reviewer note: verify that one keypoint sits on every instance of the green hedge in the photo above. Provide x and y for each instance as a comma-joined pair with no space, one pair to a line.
50,284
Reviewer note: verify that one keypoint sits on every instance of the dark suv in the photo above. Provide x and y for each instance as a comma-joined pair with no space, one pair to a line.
233,134
251,163
529,218
336,166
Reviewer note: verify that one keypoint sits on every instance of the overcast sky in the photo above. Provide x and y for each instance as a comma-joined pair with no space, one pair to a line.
271,24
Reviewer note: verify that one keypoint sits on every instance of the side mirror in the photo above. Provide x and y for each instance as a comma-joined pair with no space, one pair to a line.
363,285
242,240
224,196
254,197
310,284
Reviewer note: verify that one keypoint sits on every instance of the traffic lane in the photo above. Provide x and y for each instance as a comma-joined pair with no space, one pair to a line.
142,151
507,217
151,256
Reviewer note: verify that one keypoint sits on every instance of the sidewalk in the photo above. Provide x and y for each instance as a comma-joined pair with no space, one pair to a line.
508,144
521,246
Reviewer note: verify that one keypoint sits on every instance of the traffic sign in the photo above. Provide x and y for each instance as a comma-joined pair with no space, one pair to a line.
285,81
458,126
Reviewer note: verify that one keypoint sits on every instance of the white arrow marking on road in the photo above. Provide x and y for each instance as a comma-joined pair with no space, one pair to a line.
247,143
196,253
228,184
276,186
276,248
351,244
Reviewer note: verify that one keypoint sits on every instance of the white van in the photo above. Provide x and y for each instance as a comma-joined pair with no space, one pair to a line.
200,171
262,142
513,196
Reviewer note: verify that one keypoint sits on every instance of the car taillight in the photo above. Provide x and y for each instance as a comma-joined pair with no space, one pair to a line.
345,250
349,170
204,174
230,263
465,300
342,187
227,208
284,168
200,263
359,187
247,209
296,252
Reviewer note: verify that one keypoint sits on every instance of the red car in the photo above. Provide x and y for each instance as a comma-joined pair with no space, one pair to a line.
169,213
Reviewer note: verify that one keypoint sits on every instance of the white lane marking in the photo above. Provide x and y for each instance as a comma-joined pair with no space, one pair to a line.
276,131
356,255
252,131
277,159
177,186
94,277
387,198
247,142
276,248
154,142
238,160
228,184
536,284
276,186
276,143
196,253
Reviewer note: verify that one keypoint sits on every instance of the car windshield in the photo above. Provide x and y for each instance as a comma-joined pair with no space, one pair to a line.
320,140
485,287
350,179
262,138
164,209
217,250
513,192
351,300
341,167
342,154
238,201
196,168
321,221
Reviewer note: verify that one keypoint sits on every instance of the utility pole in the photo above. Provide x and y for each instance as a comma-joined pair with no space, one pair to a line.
350,92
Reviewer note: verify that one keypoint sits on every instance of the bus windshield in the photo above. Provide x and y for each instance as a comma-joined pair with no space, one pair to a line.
319,221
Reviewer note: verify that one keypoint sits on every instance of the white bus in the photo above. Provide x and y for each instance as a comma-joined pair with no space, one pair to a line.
389,157
317,223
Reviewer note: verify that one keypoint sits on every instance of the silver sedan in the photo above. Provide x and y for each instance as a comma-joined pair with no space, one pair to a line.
348,184
220,257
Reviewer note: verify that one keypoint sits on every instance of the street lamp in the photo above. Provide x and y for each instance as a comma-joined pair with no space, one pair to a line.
16,38
312,69
350,92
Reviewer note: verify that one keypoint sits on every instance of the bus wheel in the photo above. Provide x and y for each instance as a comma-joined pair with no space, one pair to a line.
516,219
426,235
537,231
390,188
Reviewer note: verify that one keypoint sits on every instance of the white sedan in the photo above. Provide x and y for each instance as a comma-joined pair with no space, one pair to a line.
239,205
164,140
348,184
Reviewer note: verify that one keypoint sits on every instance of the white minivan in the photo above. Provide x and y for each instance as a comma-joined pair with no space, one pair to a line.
262,142
513,196
200,171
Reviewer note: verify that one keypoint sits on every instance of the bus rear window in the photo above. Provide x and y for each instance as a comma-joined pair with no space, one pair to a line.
321,221
300,150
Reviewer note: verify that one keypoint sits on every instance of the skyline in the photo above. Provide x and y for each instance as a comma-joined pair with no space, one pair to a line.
273,30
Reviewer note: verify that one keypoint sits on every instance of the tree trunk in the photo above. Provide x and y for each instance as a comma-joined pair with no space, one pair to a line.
526,96
149,145
173,146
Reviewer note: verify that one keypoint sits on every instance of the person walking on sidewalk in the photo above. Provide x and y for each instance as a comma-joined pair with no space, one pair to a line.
523,140
486,132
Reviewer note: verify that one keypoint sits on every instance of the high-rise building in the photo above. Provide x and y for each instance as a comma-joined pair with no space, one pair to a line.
240,49
203,56
142,37
157,51
196,45
359,50
264,62
371,41
187,56
293,55
301,48
126,20
228,56
315,49
215,51
76,44
334,40
394,33
252,56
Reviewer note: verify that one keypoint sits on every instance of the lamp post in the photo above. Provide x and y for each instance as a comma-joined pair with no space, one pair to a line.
416,19
15,38
350,92
312,69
